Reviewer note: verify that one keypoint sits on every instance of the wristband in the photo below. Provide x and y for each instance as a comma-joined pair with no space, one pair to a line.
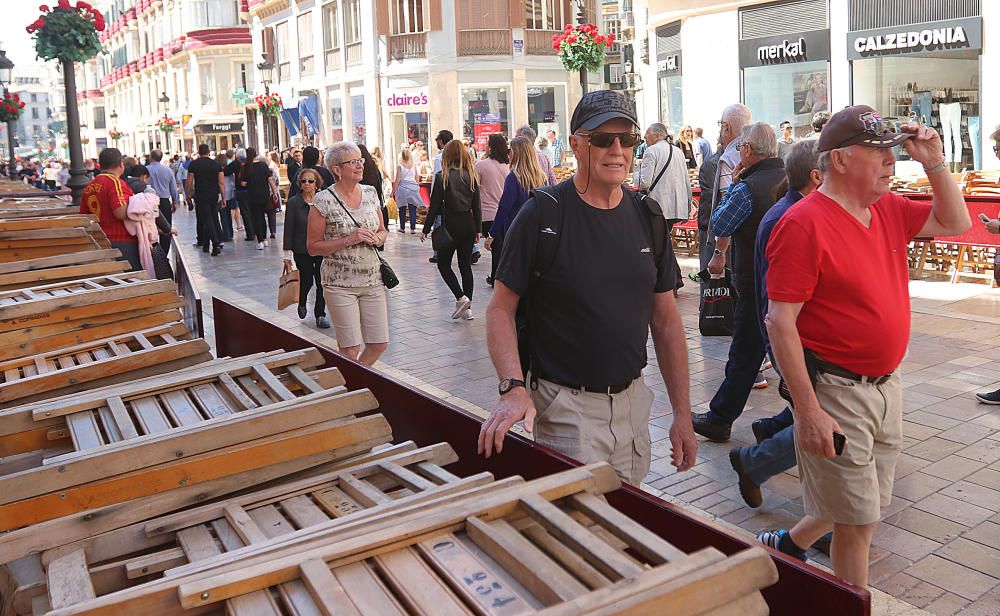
938,167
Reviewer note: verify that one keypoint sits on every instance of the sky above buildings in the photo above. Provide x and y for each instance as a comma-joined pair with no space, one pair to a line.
15,15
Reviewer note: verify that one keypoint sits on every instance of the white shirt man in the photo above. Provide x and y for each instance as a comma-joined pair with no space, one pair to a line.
673,189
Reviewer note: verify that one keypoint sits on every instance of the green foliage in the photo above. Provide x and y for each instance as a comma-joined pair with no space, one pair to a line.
66,35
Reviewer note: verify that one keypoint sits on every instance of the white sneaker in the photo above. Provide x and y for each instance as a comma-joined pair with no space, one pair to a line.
460,306
265,243
260,245
467,314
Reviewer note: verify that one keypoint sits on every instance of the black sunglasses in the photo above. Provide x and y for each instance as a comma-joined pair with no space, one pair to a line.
606,140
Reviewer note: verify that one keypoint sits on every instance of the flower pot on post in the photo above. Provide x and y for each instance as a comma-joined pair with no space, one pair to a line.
582,48
69,34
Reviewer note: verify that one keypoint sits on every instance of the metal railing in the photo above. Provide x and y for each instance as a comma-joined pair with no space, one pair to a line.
333,60
353,54
408,46
484,42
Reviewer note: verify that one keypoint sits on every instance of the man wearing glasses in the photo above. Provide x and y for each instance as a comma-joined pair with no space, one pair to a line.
597,282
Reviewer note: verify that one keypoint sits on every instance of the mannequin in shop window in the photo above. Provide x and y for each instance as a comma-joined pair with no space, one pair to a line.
951,125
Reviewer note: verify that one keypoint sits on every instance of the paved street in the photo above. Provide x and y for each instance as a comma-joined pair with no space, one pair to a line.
939,546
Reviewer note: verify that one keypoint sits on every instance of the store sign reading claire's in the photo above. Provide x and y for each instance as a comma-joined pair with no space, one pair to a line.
953,34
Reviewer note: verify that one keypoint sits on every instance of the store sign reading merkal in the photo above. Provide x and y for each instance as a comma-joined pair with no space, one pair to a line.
786,51
956,34
807,46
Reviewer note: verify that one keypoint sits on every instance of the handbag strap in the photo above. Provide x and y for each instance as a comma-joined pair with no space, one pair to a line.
351,216
662,171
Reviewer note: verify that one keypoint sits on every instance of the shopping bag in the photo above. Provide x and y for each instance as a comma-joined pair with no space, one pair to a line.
288,288
716,317
390,206
161,263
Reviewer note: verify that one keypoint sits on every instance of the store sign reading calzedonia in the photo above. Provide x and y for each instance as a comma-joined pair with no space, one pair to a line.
786,49
947,35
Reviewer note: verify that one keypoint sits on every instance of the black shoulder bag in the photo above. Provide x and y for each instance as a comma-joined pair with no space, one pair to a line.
389,278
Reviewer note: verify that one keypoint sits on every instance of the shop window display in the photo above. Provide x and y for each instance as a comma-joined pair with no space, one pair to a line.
484,112
671,109
358,118
792,92
546,106
940,90
336,118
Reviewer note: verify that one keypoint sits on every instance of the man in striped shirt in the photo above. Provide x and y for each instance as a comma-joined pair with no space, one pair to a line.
106,197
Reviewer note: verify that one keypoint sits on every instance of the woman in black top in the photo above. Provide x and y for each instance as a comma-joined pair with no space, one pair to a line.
296,224
256,178
456,199
686,143
372,176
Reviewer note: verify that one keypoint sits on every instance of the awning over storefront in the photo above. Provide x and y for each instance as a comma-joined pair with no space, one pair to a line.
309,110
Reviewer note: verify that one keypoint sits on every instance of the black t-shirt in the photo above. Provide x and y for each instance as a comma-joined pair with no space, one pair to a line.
206,176
594,303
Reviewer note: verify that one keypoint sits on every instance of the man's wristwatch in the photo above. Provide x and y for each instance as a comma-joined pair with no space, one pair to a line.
507,384
718,252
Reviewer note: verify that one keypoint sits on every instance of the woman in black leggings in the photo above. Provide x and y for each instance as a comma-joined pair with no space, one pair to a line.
456,198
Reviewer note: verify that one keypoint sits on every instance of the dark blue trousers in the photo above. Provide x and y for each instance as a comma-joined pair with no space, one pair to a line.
746,353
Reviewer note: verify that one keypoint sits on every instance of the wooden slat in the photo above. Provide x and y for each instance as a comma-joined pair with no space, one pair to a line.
366,591
149,415
363,492
436,473
254,390
108,423
570,560
270,521
236,392
156,562
213,403
304,380
143,341
69,581
244,525
84,430
122,419
276,387
336,502
647,543
615,565
327,592
180,408
197,543
546,580
406,477
416,585
471,578
303,512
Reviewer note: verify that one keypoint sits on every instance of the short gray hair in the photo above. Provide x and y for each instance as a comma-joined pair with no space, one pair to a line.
825,159
658,128
527,132
737,116
800,161
241,153
336,153
762,140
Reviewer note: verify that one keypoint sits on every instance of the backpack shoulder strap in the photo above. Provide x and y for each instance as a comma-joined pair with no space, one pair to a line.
652,216
551,215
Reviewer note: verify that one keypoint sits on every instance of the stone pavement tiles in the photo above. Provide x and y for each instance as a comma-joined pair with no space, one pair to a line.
938,547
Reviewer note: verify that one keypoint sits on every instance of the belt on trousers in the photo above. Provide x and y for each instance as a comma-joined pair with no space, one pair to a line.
824,366
594,389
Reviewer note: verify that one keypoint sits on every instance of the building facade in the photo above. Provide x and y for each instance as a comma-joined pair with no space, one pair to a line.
33,132
389,73
187,60
788,59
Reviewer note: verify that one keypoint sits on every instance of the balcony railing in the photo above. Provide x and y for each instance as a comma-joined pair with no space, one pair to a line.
484,42
332,60
539,42
284,71
306,65
408,46
354,54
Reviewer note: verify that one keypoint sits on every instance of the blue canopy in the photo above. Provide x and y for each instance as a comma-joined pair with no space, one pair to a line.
309,109
291,119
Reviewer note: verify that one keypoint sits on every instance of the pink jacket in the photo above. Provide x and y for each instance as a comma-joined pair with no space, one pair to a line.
140,221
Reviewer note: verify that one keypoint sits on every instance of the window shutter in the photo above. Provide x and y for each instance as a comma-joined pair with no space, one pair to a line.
269,43
515,13
433,9
382,16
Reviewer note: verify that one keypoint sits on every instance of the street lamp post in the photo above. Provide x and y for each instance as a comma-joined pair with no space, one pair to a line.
266,67
581,19
6,71
77,173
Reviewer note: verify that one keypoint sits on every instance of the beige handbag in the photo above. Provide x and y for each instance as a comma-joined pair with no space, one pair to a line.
288,287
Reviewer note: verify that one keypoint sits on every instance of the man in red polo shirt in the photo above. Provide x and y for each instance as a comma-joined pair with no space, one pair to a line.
839,323
106,197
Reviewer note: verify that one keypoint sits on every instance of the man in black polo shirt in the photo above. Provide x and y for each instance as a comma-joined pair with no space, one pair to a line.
590,310
206,182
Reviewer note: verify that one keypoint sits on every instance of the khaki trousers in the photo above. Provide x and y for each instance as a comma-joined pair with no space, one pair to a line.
593,427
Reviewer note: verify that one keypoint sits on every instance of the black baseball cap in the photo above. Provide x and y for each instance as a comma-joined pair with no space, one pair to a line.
600,106
859,125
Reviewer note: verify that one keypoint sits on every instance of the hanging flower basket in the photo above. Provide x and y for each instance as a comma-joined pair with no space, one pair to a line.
269,104
115,135
84,140
582,47
166,125
67,33
10,108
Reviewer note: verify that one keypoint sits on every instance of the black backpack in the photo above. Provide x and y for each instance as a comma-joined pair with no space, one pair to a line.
550,201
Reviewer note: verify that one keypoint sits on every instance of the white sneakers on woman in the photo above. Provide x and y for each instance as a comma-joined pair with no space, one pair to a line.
260,245
461,305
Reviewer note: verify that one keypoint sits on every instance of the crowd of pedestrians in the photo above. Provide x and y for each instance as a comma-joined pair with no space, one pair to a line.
583,273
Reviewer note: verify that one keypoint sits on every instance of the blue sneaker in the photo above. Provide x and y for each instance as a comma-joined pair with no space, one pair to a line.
780,540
